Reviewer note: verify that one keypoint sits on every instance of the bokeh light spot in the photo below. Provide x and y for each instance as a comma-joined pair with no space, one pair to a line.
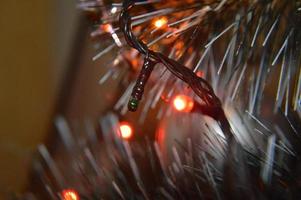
183,103
126,131
161,22
70,194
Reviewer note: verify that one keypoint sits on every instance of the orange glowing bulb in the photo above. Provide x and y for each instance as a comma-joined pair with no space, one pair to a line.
200,74
183,103
107,28
160,22
70,194
126,131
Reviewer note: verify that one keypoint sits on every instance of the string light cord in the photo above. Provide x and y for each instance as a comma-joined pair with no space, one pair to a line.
199,85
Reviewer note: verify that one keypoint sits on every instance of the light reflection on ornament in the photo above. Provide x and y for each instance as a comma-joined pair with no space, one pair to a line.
183,103
70,194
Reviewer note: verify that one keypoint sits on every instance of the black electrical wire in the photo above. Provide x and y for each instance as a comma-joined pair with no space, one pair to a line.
199,85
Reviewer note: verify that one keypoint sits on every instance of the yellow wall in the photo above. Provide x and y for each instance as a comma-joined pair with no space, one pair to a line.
33,47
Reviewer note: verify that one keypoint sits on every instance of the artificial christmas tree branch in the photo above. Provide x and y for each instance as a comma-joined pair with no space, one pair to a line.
199,85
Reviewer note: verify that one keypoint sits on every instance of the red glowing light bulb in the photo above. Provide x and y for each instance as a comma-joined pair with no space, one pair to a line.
200,74
183,103
70,194
126,131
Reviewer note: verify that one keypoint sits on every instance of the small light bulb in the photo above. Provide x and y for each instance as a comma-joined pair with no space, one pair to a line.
70,194
126,131
161,22
107,28
183,103
114,10
200,74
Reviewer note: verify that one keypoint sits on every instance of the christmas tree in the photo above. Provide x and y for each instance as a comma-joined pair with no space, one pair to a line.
216,85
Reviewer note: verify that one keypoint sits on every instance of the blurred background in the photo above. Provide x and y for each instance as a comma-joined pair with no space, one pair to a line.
36,53
46,69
